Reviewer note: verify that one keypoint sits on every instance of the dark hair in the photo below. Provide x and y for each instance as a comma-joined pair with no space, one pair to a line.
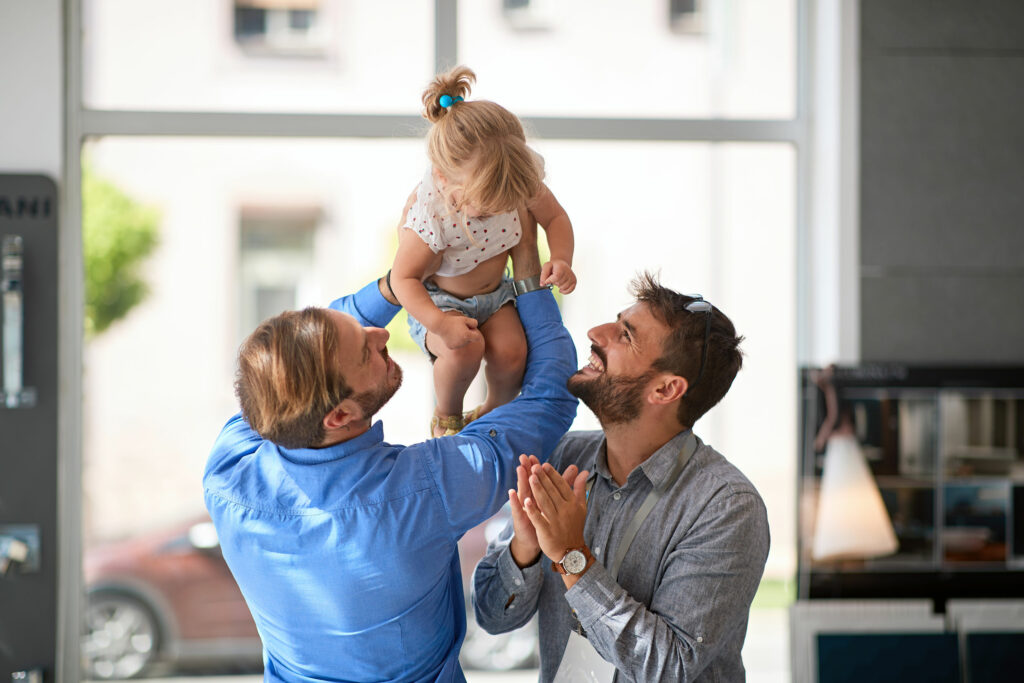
289,377
682,348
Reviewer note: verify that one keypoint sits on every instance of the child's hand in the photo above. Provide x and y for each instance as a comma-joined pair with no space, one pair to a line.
558,273
457,330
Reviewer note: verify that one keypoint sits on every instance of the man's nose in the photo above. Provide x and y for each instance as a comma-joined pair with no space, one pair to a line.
599,334
381,336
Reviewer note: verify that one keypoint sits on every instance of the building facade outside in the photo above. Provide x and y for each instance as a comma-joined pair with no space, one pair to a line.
253,225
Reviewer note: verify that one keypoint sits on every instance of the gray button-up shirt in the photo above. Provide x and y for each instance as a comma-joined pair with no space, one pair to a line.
679,608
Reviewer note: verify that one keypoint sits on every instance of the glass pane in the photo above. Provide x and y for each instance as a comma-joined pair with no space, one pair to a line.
974,522
311,56
713,219
982,433
245,227
650,58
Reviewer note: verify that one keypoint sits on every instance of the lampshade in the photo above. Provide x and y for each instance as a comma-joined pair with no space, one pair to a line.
852,521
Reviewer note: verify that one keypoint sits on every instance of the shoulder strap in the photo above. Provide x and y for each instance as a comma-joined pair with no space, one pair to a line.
685,453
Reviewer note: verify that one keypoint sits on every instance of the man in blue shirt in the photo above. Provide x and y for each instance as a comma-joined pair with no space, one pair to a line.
343,545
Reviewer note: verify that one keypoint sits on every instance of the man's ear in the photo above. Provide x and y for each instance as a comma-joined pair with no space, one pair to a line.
341,415
668,388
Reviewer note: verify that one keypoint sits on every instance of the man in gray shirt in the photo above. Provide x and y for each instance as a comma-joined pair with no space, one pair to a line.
654,543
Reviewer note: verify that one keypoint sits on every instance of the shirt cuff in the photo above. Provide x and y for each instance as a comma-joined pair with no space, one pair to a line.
593,595
537,307
514,579
371,305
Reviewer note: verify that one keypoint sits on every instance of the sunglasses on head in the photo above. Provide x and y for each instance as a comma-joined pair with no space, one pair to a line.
698,305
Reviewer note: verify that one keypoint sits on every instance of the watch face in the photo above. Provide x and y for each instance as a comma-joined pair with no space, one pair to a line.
574,562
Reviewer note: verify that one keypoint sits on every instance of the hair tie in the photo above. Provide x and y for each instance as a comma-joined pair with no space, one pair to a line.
447,101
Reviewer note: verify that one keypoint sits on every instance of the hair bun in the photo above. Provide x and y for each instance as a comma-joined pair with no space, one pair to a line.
454,83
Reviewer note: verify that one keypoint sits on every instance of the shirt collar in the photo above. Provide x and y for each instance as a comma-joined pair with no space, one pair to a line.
601,463
311,456
662,463
657,468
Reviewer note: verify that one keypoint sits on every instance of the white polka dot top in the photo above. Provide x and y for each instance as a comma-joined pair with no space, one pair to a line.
464,242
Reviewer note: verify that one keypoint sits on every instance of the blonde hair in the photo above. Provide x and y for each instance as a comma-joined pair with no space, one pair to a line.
483,143
288,377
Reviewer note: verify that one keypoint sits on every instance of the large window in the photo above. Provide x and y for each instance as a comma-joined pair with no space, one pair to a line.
276,141
649,59
255,55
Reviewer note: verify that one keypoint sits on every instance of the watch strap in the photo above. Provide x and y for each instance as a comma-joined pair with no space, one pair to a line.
528,285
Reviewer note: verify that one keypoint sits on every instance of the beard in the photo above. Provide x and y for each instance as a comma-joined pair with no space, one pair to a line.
614,400
373,400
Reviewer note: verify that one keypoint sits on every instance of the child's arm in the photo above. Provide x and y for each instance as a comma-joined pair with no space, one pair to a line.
525,257
550,214
413,262
405,210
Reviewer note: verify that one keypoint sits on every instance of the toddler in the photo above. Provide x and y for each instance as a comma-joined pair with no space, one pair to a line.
484,183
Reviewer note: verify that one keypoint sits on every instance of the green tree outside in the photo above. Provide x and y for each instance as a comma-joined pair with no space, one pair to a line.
118,233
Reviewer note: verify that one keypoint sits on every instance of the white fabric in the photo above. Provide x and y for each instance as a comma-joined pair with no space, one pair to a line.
443,230
582,664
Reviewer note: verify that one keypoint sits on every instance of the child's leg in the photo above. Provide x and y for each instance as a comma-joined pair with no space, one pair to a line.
454,371
505,353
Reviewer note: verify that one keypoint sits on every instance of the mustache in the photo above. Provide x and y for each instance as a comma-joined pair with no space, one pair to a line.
600,354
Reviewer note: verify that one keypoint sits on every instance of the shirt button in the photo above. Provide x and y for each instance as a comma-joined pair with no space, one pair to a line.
516,582
597,551
700,639
493,432
616,495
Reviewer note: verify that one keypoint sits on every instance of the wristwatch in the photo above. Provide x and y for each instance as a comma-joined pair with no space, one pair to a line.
528,285
574,562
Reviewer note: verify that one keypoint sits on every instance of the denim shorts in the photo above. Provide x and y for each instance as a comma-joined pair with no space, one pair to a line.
480,307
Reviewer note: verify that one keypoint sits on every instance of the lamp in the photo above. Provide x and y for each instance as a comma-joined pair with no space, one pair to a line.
852,521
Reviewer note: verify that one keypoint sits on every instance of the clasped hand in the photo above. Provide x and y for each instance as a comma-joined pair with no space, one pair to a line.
457,330
549,510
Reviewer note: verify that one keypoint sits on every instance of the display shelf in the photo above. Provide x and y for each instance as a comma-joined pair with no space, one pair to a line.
946,448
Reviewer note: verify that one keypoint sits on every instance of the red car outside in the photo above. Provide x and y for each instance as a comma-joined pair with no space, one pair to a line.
165,597
166,600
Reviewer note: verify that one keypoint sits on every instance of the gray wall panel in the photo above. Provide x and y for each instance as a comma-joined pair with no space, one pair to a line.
948,24
942,162
943,319
942,181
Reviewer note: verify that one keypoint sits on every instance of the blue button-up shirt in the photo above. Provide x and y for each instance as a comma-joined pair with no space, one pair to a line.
347,555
